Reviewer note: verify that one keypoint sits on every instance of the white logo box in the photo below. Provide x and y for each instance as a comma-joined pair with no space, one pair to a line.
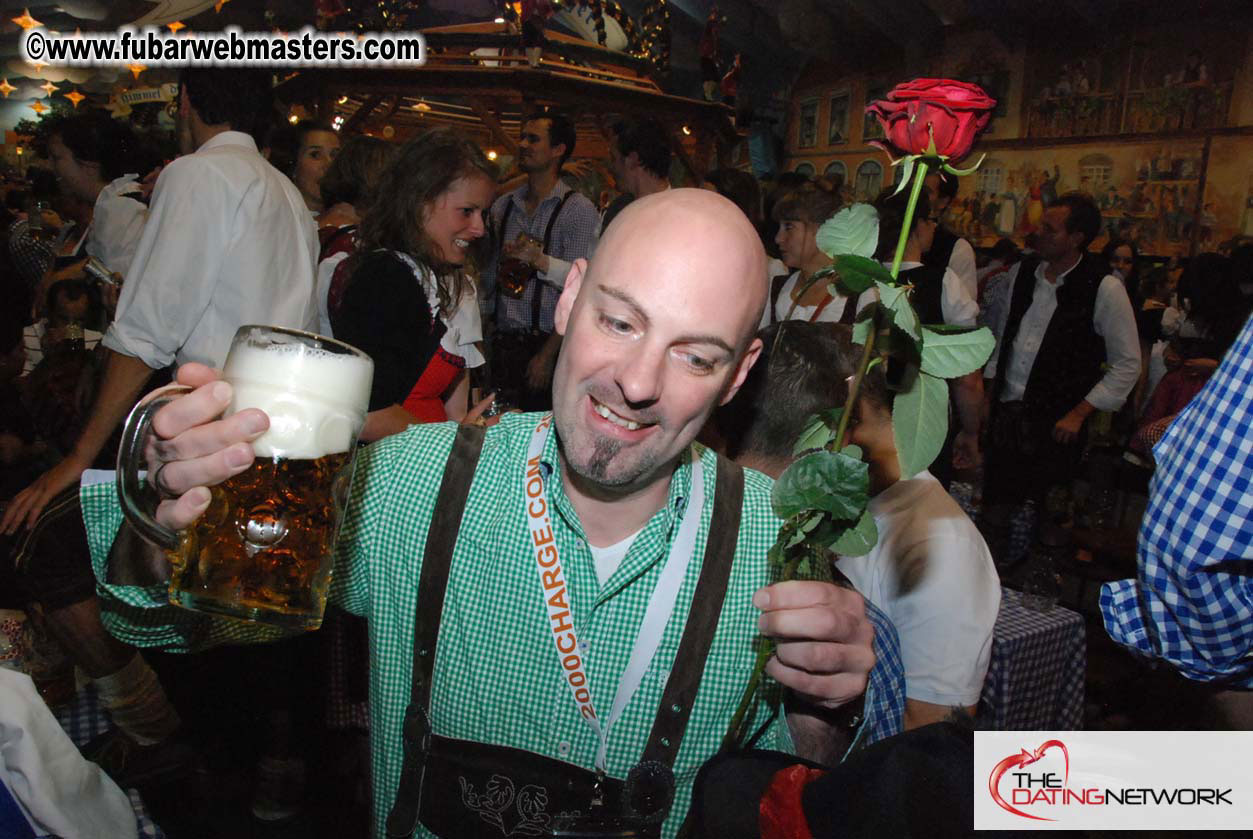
1128,780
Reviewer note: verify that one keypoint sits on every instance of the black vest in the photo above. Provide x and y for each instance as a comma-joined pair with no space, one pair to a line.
1068,363
941,249
928,282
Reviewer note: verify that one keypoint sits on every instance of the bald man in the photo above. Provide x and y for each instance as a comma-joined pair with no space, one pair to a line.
608,579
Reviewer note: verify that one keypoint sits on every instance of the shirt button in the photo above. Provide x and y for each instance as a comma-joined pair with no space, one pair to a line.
584,646
563,748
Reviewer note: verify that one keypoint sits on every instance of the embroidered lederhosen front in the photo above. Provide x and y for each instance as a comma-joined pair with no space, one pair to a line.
458,788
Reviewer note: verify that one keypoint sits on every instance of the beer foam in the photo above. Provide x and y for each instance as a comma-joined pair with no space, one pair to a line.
316,399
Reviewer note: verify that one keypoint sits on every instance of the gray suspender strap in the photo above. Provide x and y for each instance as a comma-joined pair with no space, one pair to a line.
537,299
702,618
548,235
441,538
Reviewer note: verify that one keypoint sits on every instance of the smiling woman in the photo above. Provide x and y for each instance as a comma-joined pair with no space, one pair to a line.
406,298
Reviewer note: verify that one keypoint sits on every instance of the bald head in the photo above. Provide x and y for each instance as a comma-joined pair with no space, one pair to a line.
659,329
703,245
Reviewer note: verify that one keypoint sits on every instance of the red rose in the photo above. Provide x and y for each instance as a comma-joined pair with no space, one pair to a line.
949,112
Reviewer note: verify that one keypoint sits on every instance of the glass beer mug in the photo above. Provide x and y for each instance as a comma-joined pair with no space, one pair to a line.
263,549
512,273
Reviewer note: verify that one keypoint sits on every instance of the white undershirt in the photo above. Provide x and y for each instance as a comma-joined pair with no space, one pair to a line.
608,559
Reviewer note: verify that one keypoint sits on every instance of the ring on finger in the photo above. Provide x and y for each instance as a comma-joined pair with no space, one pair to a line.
163,491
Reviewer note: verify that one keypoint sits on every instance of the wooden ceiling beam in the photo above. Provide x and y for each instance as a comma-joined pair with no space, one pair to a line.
355,122
488,117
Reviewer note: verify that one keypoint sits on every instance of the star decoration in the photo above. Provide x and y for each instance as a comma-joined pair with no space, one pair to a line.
26,21
217,7
39,108
175,26
75,97
136,69
6,88
39,66
49,88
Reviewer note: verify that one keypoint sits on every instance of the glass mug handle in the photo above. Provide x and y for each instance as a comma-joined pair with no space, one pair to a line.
129,455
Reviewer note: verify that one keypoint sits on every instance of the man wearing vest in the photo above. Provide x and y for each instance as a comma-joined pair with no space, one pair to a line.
1066,318
562,612
560,226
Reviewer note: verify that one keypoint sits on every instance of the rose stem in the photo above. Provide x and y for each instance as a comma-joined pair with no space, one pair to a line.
920,175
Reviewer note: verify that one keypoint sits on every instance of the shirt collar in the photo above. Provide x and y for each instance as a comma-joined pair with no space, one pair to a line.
229,138
1061,278
555,194
668,516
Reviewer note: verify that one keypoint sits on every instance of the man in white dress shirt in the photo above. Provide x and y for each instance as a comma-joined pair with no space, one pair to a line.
1066,347
228,242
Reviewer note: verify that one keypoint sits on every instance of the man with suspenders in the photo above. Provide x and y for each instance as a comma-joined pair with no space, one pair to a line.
560,226
563,610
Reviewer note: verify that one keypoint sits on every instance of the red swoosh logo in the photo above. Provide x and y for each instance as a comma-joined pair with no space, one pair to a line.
1024,758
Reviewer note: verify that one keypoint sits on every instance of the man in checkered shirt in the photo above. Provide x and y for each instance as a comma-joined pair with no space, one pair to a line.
658,330
1192,601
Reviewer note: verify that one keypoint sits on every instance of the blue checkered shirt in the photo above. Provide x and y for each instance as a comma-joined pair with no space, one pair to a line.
1192,603
885,694
574,236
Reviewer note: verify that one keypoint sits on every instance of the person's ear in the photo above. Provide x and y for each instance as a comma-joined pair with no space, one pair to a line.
741,371
570,291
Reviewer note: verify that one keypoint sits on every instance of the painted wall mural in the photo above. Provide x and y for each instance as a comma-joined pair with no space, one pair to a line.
1146,191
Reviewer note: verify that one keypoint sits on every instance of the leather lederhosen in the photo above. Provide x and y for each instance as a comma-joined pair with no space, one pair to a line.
470,790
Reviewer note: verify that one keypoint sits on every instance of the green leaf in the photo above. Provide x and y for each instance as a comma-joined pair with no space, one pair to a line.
861,331
949,355
816,435
920,422
853,451
858,539
857,273
828,481
952,170
907,172
896,299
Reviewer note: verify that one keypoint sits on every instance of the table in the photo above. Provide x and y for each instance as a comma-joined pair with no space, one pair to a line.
82,720
1035,679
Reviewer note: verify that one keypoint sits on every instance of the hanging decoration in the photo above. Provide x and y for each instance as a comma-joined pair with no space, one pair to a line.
6,88
75,97
38,107
26,21
48,88
655,21
380,15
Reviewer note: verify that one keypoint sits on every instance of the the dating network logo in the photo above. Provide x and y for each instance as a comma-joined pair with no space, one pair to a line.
1046,785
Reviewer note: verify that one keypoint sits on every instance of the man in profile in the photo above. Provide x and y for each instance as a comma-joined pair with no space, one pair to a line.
546,225
639,158
659,329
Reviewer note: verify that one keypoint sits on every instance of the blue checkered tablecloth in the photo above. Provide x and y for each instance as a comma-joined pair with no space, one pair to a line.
82,720
1035,679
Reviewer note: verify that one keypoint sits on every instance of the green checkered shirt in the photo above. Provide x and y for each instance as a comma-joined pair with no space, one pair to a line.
497,677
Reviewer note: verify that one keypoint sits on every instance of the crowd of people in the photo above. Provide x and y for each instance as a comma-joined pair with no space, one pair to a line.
674,315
